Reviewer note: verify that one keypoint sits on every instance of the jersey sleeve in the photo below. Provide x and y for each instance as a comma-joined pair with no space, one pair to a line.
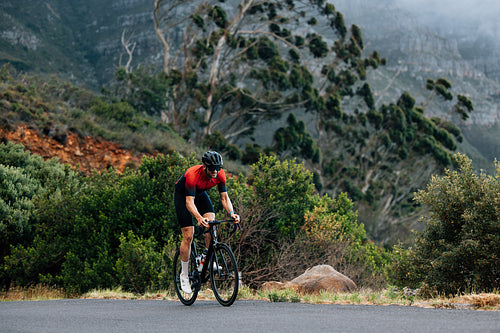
222,181
190,185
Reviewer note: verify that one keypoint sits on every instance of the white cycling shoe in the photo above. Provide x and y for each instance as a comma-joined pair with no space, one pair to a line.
185,284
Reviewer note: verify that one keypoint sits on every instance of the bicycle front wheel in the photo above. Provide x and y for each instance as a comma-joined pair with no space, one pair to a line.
224,274
194,279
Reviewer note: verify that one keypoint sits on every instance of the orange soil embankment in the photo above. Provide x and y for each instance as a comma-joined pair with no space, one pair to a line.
85,153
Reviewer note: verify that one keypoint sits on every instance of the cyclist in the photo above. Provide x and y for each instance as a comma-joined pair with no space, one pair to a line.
191,200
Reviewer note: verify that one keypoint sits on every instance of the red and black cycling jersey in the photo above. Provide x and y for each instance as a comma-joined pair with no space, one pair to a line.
194,181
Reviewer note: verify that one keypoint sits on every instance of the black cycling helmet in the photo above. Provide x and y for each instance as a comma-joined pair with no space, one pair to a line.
212,158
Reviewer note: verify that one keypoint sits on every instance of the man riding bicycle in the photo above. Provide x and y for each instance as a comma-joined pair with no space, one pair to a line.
191,200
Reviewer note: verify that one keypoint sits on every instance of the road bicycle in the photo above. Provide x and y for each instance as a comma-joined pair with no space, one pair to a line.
220,266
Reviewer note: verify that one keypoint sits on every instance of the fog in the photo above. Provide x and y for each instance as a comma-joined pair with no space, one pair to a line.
457,16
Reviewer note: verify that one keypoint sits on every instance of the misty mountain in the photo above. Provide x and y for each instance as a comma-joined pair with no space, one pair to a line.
419,45
77,40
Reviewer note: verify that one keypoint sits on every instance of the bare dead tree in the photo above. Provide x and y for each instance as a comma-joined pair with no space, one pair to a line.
129,48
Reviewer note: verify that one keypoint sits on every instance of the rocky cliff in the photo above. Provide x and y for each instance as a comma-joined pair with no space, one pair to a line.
416,51
419,45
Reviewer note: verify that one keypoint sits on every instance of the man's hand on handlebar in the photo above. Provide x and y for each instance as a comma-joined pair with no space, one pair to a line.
235,217
203,222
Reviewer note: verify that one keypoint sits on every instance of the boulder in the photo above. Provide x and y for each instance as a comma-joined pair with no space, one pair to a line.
314,280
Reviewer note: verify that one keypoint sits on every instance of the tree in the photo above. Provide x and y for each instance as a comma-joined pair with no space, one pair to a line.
459,249
441,87
294,140
241,62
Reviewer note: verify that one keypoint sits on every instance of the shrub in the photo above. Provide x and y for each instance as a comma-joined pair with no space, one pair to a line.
139,265
251,153
215,141
16,205
23,178
287,187
459,249
78,227
331,235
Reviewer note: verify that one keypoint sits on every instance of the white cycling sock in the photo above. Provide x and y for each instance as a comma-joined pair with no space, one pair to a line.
184,268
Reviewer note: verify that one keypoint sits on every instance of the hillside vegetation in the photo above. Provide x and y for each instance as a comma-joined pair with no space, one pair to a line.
82,230
235,66
326,190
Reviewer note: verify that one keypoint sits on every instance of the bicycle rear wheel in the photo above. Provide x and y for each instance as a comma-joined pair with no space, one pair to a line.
224,274
194,279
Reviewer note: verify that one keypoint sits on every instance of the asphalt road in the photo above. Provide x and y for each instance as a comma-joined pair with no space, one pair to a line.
90,315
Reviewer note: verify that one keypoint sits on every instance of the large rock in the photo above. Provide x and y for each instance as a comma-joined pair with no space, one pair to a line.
314,280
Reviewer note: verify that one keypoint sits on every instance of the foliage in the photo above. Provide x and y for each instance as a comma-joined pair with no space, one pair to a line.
458,250
287,187
296,141
144,89
54,107
244,76
139,266
377,157
216,141
23,178
441,87
331,235
77,226
288,228
109,229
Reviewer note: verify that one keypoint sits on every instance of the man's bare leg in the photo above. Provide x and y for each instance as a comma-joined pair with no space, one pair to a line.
211,217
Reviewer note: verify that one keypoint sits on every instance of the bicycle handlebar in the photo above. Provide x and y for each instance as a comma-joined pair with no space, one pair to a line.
216,222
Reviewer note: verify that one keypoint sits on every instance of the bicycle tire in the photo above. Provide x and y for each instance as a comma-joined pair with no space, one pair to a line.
224,274
194,278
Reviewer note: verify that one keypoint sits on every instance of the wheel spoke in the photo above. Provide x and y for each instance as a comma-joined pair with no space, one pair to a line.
224,275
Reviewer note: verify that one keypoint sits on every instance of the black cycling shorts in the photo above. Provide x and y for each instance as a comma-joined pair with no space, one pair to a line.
201,201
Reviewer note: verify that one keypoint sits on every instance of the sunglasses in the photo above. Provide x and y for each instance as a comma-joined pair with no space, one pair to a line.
213,168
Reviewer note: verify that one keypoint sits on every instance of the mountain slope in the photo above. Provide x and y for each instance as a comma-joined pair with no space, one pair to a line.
415,51
80,41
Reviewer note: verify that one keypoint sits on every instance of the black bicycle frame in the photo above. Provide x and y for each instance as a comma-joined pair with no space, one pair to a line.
204,276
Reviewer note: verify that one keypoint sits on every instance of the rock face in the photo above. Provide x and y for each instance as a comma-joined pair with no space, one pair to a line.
314,280
416,50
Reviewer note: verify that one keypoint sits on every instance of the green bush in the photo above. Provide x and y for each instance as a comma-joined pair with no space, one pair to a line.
77,227
139,265
331,235
287,187
459,250
16,204
23,179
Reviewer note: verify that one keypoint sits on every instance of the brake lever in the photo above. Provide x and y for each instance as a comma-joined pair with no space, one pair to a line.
236,226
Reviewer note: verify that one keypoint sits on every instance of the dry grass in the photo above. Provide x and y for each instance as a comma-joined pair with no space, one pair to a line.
483,301
39,292
390,296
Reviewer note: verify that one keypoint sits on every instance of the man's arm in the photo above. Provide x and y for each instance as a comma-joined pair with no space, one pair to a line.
191,207
228,206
